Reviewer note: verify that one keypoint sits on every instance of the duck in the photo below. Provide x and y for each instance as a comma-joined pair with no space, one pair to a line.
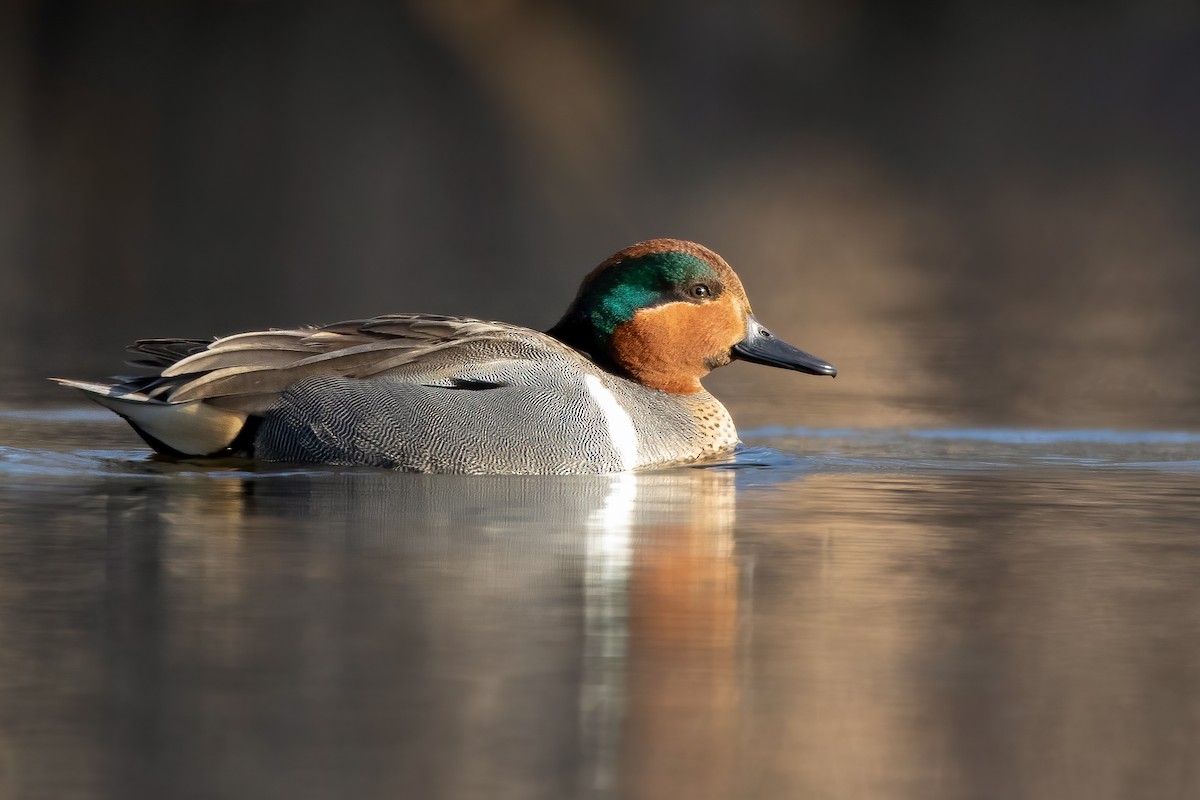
614,386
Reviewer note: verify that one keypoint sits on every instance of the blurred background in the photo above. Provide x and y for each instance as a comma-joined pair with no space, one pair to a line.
982,214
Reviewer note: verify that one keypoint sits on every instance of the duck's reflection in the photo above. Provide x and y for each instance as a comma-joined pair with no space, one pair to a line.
683,685
661,609
503,625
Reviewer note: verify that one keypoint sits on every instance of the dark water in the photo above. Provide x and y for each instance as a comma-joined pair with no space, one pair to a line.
857,613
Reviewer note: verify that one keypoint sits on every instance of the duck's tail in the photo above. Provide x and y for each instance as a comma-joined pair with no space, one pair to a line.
187,429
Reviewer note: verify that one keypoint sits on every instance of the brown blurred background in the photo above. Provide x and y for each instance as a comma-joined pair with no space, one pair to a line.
983,214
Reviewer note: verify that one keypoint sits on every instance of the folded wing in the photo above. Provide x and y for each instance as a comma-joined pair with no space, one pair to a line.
201,393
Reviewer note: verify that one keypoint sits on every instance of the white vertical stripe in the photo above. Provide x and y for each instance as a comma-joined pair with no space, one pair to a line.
620,426
606,634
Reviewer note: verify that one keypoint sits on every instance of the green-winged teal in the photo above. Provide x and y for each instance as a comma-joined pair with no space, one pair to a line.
614,386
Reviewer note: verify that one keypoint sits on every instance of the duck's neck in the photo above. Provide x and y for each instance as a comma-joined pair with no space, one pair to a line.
624,353
577,332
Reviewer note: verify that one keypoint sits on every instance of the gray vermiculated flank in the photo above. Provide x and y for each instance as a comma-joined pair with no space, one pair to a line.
389,423
414,418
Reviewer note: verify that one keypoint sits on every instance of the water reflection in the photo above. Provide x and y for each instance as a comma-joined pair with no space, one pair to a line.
380,626
880,632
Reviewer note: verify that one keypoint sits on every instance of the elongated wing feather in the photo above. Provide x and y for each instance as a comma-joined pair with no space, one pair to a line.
162,353
264,347
246,372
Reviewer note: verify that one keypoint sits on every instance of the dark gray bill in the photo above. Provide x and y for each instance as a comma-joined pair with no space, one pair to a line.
761,347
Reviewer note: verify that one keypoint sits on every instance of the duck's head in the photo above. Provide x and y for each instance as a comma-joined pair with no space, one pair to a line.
667,312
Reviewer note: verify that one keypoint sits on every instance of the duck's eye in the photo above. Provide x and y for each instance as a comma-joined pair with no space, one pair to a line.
700,291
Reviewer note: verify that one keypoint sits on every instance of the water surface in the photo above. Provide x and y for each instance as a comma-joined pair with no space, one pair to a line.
958,613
